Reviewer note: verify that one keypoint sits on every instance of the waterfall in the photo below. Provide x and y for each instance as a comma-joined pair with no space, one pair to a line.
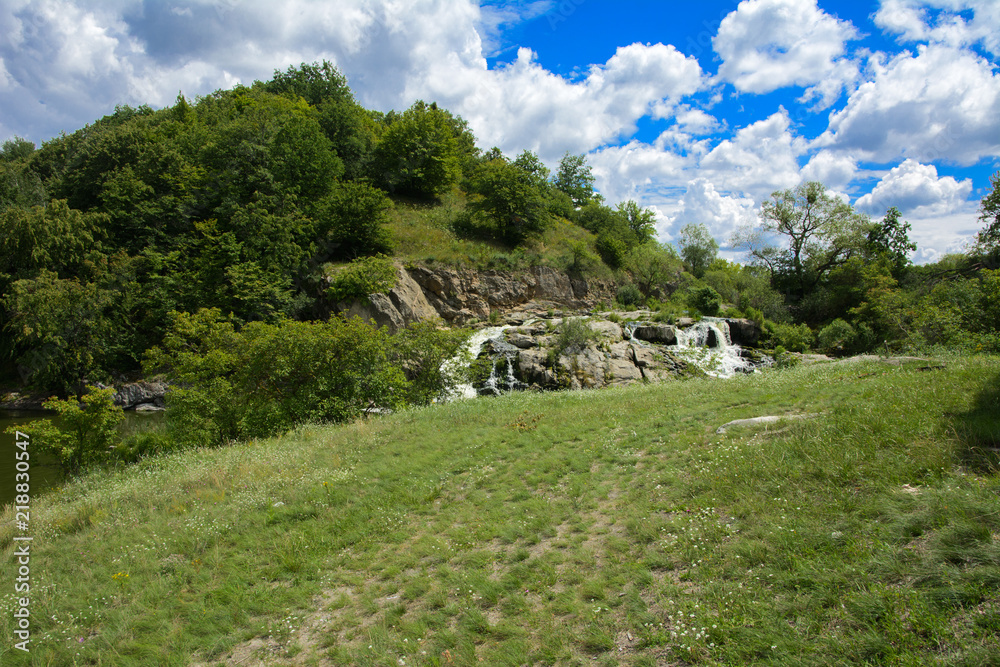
469,352
708,345
505,354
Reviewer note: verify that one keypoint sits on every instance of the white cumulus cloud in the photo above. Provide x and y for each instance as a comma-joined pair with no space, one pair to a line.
942,21
759,159
702,204
523,105
916,189
938,104
770,44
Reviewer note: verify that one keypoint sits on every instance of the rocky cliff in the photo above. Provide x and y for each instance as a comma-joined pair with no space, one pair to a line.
458,296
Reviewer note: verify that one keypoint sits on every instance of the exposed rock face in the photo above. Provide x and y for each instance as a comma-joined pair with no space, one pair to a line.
460,295
544,358
743,332
656,333
141,393
607,359
404,304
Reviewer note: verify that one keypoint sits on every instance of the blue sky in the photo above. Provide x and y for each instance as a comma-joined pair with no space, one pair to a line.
699,110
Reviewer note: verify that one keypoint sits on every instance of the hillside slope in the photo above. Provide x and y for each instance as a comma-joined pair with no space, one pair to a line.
614,526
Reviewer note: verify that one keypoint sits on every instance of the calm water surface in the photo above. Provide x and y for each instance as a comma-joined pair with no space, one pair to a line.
45,475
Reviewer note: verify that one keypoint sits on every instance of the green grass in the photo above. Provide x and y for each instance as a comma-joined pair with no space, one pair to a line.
421,232
595,527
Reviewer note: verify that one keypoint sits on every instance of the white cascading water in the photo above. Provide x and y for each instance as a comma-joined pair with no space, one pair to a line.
468,353
708,345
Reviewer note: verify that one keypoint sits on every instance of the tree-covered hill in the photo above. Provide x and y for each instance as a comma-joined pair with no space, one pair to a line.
252,200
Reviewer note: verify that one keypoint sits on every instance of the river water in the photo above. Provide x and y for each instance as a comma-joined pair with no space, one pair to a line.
43,474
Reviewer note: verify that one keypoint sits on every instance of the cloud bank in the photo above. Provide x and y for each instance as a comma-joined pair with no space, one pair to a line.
875,125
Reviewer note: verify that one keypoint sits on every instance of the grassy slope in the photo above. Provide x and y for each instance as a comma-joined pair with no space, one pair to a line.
421,233
612,526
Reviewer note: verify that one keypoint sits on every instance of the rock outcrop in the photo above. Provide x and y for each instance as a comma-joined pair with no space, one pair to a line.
542,356
607,358
458,296
141,395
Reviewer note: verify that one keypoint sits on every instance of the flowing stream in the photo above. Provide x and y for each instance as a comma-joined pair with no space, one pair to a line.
708,345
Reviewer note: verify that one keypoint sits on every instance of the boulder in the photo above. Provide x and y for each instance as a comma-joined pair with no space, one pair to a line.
532,370
743,332
521,341
663,334
606,329
137,393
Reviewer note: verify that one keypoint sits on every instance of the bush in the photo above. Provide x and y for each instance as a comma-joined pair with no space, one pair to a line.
838,337
612,250
86,433
268,378
629,295
755,316
796,338
358,215
364,276
421,350
574,335
706,300
785,359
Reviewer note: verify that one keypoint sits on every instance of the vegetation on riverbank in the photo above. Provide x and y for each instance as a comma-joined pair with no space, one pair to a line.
614,527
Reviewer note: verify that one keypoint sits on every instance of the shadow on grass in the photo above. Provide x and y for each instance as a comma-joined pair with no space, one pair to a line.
979,430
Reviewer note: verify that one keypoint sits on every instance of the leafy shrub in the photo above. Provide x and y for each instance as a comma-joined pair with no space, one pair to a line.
612,250
838,337
85,434
574,336
364,276
267,378
796,338
421,350
629,295
706,300
358,214
754,315
785,359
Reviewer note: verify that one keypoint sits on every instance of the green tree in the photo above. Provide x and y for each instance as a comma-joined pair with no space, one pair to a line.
574,177
419,153
706,300
353,222
531,164
655,268
640,221
510,198
16,149
987,243
53,237
58,327
317,83
890,239
20,186
698,248
821,232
